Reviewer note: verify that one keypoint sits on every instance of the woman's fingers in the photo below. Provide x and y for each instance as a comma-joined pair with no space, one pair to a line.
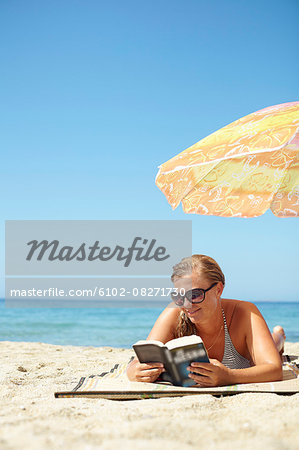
204,368
144,366
147,379
201,380
209,374
151,372
144,371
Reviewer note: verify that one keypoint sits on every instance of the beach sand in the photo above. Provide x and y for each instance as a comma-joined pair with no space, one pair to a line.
31,418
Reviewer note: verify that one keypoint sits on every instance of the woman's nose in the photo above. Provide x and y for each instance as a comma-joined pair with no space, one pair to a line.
187,304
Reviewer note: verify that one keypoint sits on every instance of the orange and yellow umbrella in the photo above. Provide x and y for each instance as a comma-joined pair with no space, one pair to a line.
240,170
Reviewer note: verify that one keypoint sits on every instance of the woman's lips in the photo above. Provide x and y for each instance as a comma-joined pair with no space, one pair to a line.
191,313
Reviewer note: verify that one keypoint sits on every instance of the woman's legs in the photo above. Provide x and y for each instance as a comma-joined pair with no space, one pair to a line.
279,338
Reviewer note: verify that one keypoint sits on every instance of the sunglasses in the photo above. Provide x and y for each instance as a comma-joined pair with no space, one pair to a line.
191,295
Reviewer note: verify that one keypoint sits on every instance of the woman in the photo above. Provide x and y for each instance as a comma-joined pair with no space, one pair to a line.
238,341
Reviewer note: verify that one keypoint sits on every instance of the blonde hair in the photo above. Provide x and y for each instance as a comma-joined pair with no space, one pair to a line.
206,267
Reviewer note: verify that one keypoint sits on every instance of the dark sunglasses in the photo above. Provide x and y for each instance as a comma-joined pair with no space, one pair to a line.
191,295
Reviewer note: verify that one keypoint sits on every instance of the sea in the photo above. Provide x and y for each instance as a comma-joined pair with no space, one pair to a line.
113,327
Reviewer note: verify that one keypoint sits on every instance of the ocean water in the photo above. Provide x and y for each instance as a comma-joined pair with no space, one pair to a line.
110,326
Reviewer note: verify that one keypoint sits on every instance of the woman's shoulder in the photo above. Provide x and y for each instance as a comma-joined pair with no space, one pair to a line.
237,309
171,312
165,325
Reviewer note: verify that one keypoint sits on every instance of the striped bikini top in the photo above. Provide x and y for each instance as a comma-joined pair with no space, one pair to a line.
232,358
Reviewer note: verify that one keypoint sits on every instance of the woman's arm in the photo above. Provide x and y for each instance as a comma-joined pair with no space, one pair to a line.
164,327
261,347
163,331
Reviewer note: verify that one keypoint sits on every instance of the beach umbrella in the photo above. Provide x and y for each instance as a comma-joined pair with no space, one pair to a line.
240,170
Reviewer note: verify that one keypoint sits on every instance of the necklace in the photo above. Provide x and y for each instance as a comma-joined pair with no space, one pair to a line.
215,339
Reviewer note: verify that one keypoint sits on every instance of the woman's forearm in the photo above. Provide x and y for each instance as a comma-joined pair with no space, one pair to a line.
256,374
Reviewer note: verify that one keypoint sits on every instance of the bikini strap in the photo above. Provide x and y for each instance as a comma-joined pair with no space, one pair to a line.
224,319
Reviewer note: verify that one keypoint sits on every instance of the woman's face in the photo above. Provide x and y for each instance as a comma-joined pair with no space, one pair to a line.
204,311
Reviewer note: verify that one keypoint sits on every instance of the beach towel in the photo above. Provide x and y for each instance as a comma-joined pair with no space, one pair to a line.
113,385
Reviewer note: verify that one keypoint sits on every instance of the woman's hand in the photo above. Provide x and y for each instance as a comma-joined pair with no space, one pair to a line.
210,374
146,372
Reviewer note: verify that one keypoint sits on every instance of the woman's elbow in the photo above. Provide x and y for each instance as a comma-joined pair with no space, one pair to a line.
279,373
276,373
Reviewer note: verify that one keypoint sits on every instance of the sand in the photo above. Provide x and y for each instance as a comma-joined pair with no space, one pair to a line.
31,418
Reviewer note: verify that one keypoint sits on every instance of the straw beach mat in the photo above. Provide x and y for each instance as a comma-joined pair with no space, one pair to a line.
114,385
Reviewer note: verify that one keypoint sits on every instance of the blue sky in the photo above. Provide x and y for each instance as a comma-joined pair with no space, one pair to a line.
95,95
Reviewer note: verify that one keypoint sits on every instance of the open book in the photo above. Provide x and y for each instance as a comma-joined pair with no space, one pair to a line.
176,355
